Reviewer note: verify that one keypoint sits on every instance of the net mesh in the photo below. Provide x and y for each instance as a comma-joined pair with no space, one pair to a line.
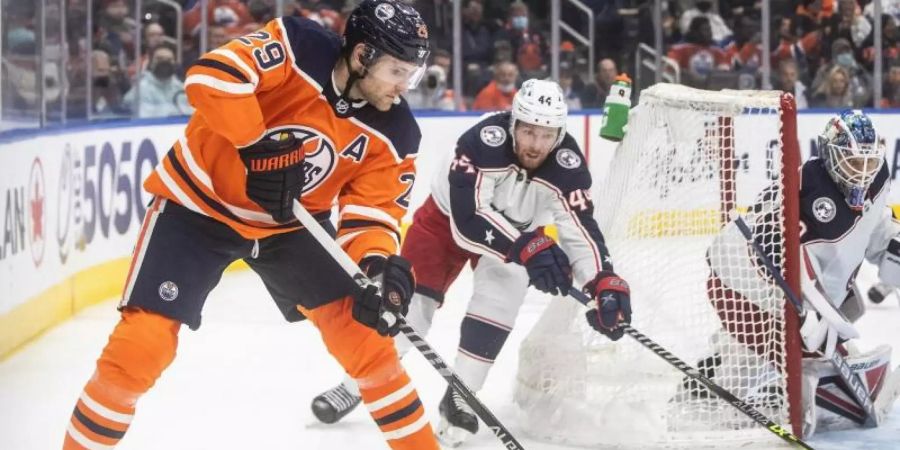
689,158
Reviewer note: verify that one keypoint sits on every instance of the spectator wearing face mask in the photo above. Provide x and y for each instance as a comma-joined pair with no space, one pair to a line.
106,89
499,93
860,82
528,46
161,92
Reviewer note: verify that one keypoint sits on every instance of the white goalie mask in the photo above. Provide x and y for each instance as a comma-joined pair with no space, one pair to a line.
853,153
540,102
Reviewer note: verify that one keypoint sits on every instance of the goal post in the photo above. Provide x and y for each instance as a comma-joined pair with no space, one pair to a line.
689,158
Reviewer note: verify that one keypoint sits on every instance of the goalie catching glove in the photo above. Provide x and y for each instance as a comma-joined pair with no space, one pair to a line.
547,265
610,305
381,309
274,173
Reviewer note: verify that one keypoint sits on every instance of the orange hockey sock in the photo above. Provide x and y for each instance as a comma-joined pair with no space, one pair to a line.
383,384
399,414
139,349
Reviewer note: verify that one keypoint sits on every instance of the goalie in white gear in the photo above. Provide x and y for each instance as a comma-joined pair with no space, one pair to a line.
844,220
510,174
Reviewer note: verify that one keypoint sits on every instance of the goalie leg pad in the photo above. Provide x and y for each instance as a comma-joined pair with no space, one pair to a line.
836,407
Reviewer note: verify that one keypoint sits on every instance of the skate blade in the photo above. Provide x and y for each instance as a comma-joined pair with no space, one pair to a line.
452,436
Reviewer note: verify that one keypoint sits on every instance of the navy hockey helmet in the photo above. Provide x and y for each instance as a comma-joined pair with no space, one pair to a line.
853,153
387,27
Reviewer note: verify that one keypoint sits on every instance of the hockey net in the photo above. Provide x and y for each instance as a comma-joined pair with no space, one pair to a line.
688,159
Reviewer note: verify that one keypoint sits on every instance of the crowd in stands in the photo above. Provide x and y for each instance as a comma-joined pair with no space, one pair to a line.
823,50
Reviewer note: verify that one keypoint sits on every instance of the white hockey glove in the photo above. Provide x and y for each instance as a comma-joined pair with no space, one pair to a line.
823,327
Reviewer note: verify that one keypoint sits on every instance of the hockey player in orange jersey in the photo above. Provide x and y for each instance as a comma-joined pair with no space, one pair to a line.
290,111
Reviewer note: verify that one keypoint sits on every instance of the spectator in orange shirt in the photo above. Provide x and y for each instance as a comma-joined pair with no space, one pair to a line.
792,46
499,93
743,53
697,56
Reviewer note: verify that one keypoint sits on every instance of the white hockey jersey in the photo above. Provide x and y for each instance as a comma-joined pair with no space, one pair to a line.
491,199
834,238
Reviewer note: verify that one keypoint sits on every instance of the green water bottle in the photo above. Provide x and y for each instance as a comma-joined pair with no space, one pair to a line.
615,110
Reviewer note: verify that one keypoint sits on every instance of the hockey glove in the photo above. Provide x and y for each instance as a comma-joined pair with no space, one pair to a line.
823,326
274,173
822,333
610,307
381,309
547,265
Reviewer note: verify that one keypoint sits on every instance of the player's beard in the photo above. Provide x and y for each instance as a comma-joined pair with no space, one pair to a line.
531,159
381,99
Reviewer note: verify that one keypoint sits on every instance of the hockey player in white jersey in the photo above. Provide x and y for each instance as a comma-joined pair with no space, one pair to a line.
844,219
511,173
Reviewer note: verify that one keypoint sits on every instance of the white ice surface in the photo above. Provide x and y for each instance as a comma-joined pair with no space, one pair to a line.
245,379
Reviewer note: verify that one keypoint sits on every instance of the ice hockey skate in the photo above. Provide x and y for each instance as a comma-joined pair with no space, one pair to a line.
335,403
458,421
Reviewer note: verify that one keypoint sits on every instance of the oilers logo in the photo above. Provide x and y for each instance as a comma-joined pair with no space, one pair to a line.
168,291
702,62
320,158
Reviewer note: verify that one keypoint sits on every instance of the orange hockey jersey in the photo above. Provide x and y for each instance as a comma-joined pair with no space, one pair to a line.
280,79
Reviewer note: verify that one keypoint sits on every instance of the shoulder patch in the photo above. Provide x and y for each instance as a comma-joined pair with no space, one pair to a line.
568,158
824,209
315,49
493,135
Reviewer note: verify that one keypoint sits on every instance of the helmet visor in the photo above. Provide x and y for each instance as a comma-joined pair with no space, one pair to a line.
392,71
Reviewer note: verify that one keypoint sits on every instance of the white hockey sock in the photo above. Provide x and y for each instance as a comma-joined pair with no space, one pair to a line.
472,371
419,317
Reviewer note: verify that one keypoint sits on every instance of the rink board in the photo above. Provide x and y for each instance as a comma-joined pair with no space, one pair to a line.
72,204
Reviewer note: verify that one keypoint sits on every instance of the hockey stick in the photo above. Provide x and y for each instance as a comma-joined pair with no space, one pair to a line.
850,378
695,374
349,266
